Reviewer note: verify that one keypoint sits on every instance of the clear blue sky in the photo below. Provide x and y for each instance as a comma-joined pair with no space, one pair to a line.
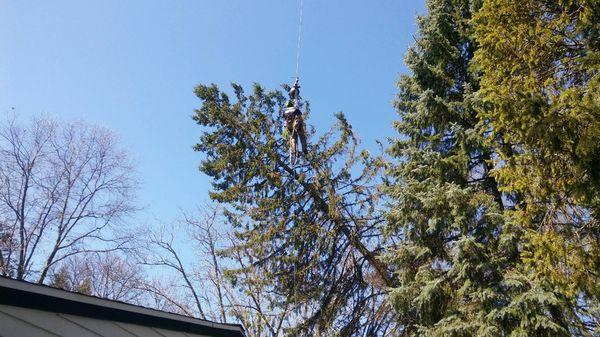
132,66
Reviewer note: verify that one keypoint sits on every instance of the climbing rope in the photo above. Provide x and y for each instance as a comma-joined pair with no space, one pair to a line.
299,39
293,137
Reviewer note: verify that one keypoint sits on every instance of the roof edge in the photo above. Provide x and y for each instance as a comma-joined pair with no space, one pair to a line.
41,297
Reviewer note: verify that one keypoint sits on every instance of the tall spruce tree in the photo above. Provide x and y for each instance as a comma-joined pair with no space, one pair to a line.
540,66
312,232
494,202
446,208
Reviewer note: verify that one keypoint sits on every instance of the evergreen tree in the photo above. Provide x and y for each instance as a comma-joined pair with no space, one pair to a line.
540,78
311,232
492,226
492,202
446,208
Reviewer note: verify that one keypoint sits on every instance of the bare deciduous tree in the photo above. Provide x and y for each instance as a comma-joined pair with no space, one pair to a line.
163,293
199,285
162,252
252,298
106,275
64,190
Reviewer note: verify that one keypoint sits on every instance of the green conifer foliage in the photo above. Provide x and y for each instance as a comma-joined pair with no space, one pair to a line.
446,209
540,79
458,256
311,232
491,199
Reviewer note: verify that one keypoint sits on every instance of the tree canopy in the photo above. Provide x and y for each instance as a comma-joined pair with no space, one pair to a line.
482,217
313,231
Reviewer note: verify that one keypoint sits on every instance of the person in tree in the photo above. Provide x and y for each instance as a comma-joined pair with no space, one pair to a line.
292,117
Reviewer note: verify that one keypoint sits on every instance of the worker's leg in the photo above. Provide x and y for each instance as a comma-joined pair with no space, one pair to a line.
302,136
290,126
294,147
291,137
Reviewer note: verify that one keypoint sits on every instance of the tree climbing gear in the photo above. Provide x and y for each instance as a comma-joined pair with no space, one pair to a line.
299,40
294,123
293,127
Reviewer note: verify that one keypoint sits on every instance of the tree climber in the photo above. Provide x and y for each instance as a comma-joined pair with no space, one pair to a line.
293,121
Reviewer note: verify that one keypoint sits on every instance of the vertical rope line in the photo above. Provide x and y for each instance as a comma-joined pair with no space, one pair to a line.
299,39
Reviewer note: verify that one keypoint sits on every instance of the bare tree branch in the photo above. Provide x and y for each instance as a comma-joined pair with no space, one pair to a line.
63,189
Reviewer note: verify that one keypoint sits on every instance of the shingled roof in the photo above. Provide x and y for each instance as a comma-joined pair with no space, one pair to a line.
34,310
